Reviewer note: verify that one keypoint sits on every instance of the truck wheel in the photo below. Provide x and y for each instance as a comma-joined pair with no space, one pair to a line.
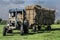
48,27
25,29
21,30
34,28
39,28
4,31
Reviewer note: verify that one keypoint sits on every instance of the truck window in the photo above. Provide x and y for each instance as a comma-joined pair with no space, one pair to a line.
12,14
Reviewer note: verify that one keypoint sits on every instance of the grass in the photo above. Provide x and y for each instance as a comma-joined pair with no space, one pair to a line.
52,35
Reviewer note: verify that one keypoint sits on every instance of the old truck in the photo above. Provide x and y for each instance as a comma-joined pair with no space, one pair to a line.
30,17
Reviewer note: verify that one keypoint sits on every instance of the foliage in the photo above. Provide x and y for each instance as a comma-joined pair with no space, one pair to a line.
0,20
3,22
58,22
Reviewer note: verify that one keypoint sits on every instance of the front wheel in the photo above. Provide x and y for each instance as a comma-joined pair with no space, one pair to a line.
22,31
4,31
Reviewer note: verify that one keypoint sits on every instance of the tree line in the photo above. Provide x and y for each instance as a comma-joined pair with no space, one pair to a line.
2,22
57,22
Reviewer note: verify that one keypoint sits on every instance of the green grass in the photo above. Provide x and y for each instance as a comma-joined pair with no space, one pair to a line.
52,35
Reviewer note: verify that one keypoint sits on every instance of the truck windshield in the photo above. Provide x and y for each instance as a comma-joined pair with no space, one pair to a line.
12,14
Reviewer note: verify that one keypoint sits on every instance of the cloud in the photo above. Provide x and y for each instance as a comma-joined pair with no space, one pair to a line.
5,5
17,1
4,2
7,2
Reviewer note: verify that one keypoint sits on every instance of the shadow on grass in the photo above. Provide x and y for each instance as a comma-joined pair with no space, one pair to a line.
37,32
54,29
24,33
28,34
9,34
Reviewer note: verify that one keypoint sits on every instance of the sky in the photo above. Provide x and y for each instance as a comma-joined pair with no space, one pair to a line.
5,5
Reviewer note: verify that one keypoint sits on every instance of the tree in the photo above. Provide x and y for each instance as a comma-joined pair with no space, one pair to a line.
3,22
58,22
0,20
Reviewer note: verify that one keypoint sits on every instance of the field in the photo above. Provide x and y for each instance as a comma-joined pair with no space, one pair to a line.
54,34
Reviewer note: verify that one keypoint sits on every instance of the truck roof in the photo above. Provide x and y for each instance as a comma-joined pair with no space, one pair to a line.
15,10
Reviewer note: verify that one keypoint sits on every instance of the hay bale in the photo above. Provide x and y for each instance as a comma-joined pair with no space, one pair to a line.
47,16
41,15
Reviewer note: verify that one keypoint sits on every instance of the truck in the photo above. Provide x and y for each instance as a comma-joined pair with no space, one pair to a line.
31,17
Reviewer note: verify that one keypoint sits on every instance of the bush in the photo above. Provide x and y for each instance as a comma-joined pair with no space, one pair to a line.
3,22
0,20
58,22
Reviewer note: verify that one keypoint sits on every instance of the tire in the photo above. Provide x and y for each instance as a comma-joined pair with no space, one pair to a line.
48,27
4,31
34,28
39,28
25,29
21,30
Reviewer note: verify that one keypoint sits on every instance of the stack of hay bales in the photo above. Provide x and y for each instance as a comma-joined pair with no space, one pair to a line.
41,15
45,16
30,13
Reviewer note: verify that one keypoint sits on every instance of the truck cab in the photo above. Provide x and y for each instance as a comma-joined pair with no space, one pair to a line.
17,20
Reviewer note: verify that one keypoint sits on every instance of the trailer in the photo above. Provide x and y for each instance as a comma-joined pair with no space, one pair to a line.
39,16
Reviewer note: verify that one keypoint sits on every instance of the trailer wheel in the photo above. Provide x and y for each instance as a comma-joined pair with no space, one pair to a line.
48,27
34,28
39,28
25,28
4,31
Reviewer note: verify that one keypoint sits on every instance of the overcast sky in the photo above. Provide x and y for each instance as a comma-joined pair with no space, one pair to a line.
5,5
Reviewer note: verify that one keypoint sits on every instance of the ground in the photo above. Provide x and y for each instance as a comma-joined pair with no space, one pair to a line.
54,34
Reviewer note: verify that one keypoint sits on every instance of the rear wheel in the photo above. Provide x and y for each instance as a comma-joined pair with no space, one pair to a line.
4,31
39,27
25,29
